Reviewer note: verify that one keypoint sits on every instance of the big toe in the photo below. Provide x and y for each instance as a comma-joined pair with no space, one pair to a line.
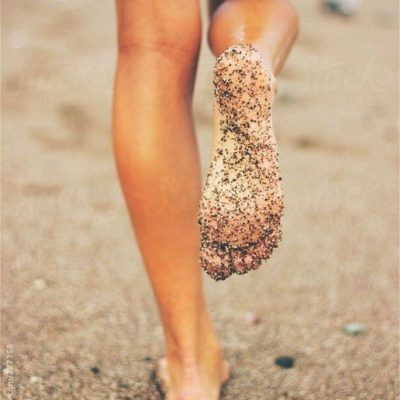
216,262
238,263
251,261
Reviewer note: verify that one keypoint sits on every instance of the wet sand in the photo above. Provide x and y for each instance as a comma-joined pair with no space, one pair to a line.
78,314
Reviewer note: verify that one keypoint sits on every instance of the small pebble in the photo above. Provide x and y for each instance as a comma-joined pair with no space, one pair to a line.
95,370
285,96
252,318
284,362
342,7
35,379
39,284
353,329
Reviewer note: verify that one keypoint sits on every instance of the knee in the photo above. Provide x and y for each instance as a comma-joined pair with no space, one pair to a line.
159,27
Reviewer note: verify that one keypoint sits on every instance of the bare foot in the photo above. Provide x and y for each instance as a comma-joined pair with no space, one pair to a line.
242,202
192,386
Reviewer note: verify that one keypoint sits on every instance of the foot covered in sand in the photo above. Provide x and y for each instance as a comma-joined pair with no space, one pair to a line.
242,201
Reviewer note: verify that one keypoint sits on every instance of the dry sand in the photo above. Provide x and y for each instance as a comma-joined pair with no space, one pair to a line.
77,308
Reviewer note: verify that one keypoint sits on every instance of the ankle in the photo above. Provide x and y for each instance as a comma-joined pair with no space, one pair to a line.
205,348
202,348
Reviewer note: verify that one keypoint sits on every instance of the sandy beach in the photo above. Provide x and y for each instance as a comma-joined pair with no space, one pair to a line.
78,317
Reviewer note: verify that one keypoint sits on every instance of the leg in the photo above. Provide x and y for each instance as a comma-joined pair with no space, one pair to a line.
242,201
158,166
271,25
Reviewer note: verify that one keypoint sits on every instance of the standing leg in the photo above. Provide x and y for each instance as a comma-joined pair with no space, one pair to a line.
242,202
158,165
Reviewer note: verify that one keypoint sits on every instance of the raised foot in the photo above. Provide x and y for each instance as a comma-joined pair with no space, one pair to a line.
242,201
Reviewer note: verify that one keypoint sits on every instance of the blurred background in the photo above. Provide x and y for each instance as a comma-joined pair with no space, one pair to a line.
79,319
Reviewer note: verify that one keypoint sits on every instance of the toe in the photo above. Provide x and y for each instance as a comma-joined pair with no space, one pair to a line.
251,261
273,238
209,258
248,260
225,269
238,263
260,251
216,262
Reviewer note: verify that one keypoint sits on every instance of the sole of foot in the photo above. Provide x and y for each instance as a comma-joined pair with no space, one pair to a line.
242,201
